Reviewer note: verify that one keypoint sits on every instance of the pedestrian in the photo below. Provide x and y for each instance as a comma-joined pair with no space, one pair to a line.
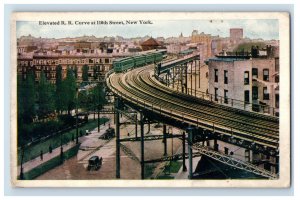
50,148
41,154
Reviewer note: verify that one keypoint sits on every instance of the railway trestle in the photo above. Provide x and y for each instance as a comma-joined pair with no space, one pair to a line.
196,139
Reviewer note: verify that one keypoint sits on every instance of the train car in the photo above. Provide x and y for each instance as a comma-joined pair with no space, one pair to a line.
127,64
124,64
158,57
150,58
139,60
117,65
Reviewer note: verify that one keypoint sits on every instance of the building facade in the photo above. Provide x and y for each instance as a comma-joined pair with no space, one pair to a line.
245,83
97,66
236,34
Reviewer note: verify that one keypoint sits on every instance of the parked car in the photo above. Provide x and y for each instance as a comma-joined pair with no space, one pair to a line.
94,163
109,133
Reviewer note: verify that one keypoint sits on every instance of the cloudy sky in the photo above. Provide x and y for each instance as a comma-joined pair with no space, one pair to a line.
266,29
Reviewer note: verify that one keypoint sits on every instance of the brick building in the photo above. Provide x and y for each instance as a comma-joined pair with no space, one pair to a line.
245,82
97,65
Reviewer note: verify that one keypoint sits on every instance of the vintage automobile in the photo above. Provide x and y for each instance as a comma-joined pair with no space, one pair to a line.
94,163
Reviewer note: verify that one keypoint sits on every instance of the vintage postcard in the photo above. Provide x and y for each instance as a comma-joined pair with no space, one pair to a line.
178,99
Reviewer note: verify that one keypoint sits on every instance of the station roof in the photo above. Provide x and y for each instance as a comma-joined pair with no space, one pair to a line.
150,42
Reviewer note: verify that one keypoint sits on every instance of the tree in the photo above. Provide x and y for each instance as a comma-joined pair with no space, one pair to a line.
95,72
76,71
45,97
69,91
85,73
59,93
26,98
99,95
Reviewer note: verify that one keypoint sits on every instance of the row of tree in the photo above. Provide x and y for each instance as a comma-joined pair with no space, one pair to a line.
43,98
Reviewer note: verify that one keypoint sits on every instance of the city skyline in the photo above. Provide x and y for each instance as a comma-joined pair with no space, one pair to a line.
254,29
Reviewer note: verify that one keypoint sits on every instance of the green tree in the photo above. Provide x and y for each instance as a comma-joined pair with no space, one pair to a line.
76,72
98,95
69,91
95,72
26,95
85,73
59,93
45,97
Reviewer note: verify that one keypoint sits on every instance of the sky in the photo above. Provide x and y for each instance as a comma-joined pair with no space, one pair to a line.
263,28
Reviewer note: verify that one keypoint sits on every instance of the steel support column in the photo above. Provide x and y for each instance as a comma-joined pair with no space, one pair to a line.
117,120
98,118
190,144
277,164
165,139
142,144
183,153
191,78
186,78
173,77
199,74
195,77
136,126
216,145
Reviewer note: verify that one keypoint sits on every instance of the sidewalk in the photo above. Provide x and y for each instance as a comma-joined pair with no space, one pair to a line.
185,175
29,165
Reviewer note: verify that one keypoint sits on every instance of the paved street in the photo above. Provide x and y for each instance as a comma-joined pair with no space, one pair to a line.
76,167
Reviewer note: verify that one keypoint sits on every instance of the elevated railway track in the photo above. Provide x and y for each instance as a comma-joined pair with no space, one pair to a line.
139,88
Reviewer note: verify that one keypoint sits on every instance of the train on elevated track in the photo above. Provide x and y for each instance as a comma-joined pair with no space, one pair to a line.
145,58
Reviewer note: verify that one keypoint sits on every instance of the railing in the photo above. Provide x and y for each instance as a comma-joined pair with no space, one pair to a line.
234,103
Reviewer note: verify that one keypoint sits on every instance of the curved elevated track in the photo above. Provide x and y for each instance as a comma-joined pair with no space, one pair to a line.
140,88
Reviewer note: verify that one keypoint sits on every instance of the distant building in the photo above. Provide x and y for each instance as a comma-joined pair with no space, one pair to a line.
97,66
236,34
205,42
149,44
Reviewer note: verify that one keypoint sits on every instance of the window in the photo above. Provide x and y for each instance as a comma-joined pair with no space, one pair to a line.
106,60
216,75
225,77
266,74
277,100
206,74
246,78
246,96
266,94
277,79
254,73
225,96
254,93
216,94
